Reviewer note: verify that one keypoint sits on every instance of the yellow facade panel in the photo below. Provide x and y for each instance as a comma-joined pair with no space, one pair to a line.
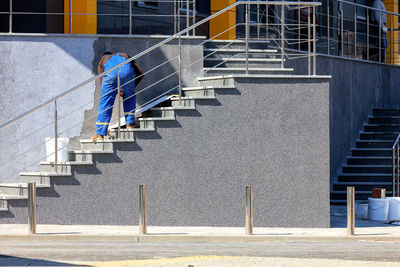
85,20
224,21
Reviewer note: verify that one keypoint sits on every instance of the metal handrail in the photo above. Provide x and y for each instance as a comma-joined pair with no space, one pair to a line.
396,166
175,36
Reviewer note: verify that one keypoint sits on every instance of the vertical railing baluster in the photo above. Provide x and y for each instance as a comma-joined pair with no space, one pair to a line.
142,209
329,26
394,171
55,137
249,211
247,37
308,40
299,28
350,211
187,16
368,34
119,104
32,208
355,31
130,17
283,36
194,17
70,16
398,169
180,70
174,16
380,37
391,39
258,21
10,19
341,28
314,43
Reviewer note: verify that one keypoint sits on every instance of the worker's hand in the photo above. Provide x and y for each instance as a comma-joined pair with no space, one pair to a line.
121,93
384,29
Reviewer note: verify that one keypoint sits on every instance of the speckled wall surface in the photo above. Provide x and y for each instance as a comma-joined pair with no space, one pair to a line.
33,69
271,134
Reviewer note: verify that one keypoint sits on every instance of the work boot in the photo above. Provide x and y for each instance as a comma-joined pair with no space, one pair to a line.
97,137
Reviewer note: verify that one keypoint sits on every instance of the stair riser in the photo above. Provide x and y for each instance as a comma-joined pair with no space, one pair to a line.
159,114
362,187
386,112
234,64
99,146
349,179
230,45
217,82
222,71
183,102
384,120
81,157
367,169
44,180
378,137
4,204
52,168
22,192
367,161
381,128
232,54
373,144
373,153
207,92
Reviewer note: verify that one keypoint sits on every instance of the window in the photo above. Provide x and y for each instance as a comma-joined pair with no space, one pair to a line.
149,4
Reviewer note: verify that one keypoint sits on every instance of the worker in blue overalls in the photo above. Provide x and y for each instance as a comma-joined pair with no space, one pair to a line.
109,90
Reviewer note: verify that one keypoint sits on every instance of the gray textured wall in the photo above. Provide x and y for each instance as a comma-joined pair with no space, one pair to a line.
271,134
35,68
355,88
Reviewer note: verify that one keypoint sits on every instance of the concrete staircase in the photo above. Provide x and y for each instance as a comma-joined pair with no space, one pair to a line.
370,163
223,58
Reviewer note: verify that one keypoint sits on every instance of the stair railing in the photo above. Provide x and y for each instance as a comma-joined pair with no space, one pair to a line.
173,89
396,166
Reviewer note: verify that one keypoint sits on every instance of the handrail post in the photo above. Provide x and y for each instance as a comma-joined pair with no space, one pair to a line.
391,39
350,211
194,17
266,20
329,26
130,17
142,209
70,16
308,40
249,210
174,16
355,31
55,137
394,171
187,16
367,34
179,15
247,37
32,208
10,19
258,21
398,168
299,29
283,36
180,71
314,44
341,29
119,105
379,37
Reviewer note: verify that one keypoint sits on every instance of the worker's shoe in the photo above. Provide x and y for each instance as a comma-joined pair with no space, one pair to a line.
130,126
97,137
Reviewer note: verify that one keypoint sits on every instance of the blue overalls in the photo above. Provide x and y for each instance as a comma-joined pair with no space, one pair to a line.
109,90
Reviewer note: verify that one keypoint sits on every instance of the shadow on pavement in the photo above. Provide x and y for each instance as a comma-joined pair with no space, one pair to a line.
18,261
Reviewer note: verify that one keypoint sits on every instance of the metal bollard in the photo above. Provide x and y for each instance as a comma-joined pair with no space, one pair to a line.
350,211
142,209
249,210
32,208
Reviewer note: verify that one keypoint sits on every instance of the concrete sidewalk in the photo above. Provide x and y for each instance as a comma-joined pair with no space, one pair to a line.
192,234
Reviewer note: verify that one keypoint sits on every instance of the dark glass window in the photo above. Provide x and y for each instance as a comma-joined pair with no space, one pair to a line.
153,3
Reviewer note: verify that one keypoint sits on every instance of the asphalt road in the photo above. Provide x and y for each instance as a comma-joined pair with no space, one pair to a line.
49,253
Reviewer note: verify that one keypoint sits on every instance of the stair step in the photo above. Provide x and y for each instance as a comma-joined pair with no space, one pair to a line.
382,127
63,168
384,152
359,195
374,143
378,136
369,160
85,155
157,119
18,189
12,197
384,119
88,144
208,87
362,186
220,71
236,44
40,177
386,112
367,169
195,98
234,62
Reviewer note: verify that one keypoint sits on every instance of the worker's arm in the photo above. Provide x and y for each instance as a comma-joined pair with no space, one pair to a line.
100,69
